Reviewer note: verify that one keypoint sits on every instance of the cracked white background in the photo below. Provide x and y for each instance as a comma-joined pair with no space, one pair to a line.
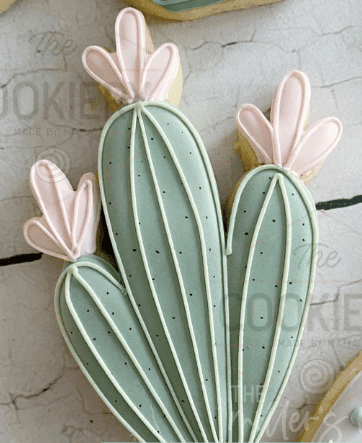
229,59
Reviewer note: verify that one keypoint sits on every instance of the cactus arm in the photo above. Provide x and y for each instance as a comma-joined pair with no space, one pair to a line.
137,117
90,302
272,227
174,256
139,213
201,235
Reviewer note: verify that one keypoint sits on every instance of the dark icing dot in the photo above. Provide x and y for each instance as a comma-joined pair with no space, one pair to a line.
157,252
303,239
110,163
109,332
290,282
246,233
261,318
273,221
263,347
244,211
125,362
214,306
173,318
71,332
180,252
87,310
209,249
128,147
276,286
207,217
190,294
130,329
164,192
94,338
199,187
116,233
112,313
134,250
263,192
186,216
110,203
261,253
151,138
107,292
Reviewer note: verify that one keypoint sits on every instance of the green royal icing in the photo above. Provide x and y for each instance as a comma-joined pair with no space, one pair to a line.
356,417
163,215
184,5
167,338
271,244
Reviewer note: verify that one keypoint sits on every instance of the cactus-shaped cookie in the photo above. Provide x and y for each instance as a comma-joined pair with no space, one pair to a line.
163,215
94,312
271,249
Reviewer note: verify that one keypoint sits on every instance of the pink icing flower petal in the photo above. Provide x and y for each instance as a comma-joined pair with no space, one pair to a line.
105,69
159,72
130,31
257,130
289,113
315,145
67,228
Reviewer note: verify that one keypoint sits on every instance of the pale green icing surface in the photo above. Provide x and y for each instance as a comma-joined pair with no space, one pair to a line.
272,245
356,417
183,5
103,332
163,214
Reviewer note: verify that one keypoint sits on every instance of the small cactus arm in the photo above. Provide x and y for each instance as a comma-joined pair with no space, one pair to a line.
271,248
94,312
163,215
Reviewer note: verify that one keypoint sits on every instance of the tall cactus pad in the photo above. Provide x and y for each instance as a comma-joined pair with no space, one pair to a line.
271,251
101,329
163,215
